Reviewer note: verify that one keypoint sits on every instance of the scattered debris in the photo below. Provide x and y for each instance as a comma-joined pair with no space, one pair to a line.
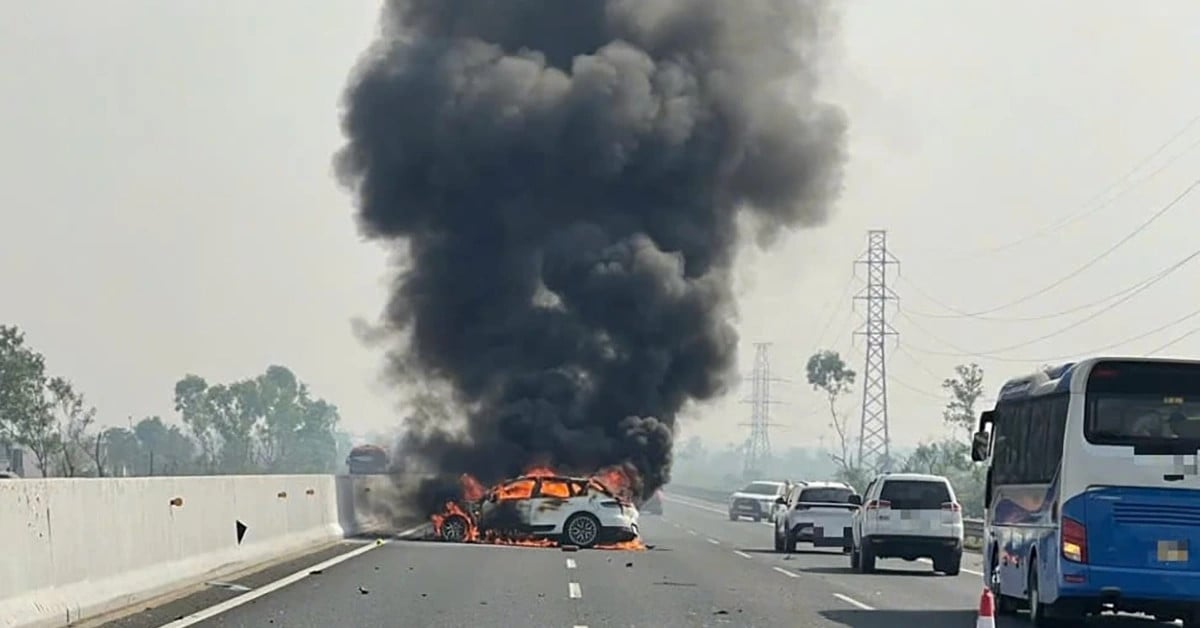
317,572
363,591
570,548
721,612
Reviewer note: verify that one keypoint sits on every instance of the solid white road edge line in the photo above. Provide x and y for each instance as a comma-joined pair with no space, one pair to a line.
853,602
962,569
413,530
573,590
742,554
213,611
570,563
786,572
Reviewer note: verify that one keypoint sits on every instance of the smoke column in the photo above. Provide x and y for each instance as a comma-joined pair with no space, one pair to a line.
561,181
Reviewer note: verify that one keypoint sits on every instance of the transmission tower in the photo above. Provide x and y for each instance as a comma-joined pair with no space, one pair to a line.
874,439
758,448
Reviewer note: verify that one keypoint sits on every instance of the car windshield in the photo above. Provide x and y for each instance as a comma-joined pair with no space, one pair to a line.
915,494
827,495
761,488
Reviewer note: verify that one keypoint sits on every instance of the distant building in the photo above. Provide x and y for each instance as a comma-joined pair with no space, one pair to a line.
12,459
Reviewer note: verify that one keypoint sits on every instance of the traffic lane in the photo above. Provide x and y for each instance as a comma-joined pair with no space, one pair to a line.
687,580
905,590
415,583
890,587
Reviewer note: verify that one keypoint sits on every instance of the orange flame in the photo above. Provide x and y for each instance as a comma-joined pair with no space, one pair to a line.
636,545
452,510
540,472
472,490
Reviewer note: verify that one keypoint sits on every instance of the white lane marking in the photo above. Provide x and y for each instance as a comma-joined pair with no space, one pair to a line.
570,563
742,554
698,505
786,572
413,530
229,604
573,591
692,532
853,602
714,541
962,569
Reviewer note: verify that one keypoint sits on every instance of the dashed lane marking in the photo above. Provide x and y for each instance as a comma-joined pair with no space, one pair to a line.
742,554
573,590
714,541
570,563
853,602
692,532
786,572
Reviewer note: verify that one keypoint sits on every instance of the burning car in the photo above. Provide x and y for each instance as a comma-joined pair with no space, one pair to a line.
540,510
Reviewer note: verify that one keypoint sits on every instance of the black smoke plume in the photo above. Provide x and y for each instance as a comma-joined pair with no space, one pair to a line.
561,180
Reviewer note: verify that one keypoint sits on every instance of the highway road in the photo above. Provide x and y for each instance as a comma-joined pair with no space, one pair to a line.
702,570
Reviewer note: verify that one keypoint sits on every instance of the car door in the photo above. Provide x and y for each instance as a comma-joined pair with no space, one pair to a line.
512,507
551,505
863,518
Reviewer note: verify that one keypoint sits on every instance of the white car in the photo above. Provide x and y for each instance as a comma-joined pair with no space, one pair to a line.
909,516
577,511
820,513
756,500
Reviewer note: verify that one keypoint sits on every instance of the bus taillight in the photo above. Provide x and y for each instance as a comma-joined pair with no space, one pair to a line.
1074,540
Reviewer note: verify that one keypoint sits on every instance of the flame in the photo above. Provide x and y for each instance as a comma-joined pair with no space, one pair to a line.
472,489
636,545
617,480
540,472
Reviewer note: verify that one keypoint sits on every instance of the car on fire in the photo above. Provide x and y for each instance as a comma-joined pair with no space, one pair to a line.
572,510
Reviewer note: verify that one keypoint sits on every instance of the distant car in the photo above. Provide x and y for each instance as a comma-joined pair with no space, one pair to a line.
820,513
909,516
576,511
653,505
9,475
756,500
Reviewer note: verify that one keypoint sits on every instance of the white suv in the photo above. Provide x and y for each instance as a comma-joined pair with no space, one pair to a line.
909,516
820,513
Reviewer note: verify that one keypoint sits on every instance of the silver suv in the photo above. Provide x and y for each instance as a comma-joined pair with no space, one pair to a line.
909,516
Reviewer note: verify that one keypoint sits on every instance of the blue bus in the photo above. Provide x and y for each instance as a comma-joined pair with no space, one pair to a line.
1093,496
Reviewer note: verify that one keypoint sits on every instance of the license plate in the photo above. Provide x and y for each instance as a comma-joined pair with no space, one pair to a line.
1172,551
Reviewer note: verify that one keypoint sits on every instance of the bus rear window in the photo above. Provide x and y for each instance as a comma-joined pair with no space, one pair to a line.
1151,406
915,494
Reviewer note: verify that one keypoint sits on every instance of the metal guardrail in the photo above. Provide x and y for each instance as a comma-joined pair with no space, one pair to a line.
972,528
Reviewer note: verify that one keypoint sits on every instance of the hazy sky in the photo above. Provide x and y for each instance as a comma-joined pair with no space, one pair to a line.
168,203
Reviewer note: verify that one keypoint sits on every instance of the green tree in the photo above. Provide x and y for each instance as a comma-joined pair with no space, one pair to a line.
24,411
828,373
965,389
73,420
194,405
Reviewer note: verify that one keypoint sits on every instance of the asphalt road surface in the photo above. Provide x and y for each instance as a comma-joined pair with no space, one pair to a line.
702,570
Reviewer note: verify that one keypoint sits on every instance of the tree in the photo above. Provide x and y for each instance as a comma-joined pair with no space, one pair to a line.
72,422
24,412
965,389
828,373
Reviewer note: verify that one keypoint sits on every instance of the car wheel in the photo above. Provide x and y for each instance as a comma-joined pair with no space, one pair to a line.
757,519
454,529
733,517
949,564
778,541
582,530
789,542
866,559
854,558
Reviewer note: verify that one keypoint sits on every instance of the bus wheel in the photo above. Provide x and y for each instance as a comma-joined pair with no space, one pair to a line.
1040,615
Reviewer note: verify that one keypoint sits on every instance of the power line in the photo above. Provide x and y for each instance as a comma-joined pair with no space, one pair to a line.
1092,262
1109,188
959,314
1188,316
1174,342
1076,324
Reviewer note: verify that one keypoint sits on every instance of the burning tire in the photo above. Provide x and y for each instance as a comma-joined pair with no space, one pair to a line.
582,530
454,529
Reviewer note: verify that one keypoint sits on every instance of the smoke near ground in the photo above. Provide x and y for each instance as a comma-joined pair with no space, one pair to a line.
561,183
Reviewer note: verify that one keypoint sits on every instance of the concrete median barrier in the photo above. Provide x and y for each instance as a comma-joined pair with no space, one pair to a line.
77,548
